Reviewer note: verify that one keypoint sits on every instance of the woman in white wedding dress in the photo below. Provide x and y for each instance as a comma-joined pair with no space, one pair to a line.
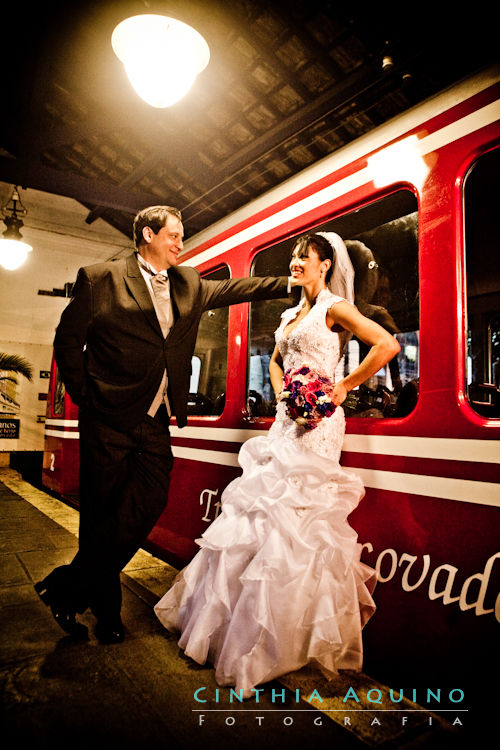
278,581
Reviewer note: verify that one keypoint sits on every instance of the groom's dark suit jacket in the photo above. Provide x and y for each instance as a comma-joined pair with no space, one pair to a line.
109,347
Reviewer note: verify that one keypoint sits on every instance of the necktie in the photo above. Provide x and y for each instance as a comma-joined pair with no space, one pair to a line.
162,301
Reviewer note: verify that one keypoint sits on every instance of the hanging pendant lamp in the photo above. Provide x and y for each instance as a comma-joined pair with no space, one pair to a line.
13,251
161,56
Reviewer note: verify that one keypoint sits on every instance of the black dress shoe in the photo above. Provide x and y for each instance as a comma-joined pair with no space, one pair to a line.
62,612
109,631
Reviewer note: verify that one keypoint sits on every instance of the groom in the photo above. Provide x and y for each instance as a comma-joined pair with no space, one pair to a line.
123,348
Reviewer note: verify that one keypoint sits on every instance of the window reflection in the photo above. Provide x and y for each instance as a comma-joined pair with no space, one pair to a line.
59,394
209,363
483,285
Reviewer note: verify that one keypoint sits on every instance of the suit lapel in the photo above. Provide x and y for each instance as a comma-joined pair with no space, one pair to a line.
178,294
140,292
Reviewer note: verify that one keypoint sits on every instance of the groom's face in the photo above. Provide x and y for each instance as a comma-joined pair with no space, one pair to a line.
166,245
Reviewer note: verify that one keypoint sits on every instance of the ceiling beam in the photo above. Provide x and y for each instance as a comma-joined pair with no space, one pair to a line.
82,189
335,97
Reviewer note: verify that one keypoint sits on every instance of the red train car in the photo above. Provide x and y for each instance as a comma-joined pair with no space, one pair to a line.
415,202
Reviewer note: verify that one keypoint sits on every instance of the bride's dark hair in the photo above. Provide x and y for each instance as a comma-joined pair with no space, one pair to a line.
320,245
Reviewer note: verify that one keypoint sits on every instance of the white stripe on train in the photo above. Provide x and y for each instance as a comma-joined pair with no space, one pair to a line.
449,134
463,490
62,422
448,449
66,434
455,449
370,142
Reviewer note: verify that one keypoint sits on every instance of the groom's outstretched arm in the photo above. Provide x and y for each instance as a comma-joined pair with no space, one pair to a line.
231,291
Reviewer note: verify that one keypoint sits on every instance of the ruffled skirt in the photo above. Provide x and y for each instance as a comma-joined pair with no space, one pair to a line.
278,581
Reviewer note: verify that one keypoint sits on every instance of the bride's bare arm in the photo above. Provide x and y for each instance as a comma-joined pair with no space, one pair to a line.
276,371
383,346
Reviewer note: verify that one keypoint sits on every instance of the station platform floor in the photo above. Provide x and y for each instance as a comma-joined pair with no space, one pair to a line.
61,693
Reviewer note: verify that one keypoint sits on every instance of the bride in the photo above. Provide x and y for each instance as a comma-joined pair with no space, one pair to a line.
278,581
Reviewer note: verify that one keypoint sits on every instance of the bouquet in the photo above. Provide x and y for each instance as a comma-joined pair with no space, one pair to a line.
308,395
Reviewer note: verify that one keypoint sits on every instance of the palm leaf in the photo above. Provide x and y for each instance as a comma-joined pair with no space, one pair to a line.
9,378
15,363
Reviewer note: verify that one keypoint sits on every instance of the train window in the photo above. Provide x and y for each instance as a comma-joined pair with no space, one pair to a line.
382,241
59,394
209,362
482,239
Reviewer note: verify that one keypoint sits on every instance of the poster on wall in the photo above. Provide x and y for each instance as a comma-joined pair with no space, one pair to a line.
11,367
9,405
9,429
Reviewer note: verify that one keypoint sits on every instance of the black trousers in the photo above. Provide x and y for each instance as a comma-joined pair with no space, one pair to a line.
124,479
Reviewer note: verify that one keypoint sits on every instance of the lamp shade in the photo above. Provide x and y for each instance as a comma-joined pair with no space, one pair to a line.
161,56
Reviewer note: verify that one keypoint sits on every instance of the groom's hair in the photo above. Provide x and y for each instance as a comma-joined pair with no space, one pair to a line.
154,217
320,245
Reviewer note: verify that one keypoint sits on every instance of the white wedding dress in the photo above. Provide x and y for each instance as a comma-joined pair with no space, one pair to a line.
278,581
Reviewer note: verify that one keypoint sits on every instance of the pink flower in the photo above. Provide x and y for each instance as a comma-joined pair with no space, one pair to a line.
310,397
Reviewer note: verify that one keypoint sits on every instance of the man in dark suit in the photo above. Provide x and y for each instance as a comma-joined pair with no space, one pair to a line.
123,347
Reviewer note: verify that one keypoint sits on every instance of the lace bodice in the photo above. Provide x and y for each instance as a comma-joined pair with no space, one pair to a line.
312,343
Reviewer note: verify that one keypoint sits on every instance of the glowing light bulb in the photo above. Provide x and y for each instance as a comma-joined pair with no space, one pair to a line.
161,56
13,253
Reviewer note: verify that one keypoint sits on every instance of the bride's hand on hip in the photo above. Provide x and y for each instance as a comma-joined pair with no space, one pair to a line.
339,393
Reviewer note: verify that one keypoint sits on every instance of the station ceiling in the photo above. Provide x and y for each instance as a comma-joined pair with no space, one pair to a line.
287,84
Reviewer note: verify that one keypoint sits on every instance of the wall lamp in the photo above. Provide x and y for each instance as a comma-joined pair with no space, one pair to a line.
13,251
